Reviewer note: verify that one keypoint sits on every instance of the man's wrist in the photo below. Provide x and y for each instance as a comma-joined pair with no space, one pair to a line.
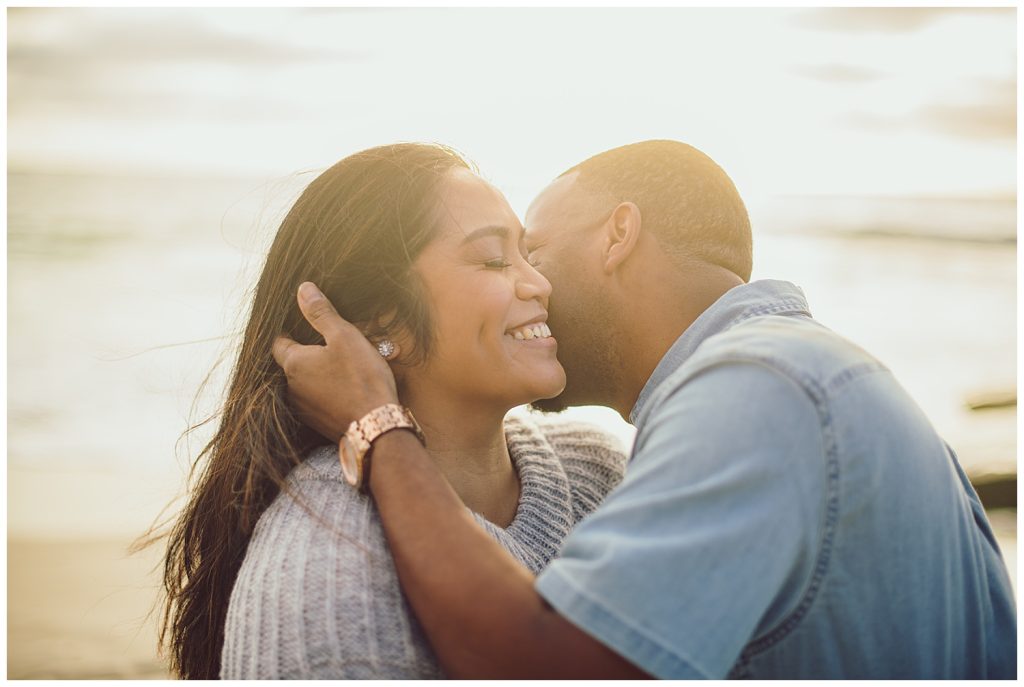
357,444
391,448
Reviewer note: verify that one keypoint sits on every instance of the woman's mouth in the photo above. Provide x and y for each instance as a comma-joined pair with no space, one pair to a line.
535,332
529,332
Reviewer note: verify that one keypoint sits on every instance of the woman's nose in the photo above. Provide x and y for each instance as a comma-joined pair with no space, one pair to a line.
532,284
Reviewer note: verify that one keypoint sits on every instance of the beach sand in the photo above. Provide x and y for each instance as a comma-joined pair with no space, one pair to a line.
78,610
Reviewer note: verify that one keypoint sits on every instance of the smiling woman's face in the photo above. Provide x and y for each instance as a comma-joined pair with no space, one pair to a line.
488,304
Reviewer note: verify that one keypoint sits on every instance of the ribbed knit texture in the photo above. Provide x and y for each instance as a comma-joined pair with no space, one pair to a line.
318,595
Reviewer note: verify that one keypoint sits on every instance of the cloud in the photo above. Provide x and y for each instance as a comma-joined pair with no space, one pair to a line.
116,62
991,117
838,73
868,121
994,118
39,40
885,19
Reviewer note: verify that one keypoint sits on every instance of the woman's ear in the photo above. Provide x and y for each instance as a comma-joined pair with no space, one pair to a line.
390,339
622,233
377,333
387,349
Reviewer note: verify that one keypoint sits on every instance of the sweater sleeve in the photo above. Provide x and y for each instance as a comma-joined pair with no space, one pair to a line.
317,595
594,460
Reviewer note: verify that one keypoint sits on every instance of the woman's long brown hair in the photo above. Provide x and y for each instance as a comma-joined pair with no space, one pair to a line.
355,231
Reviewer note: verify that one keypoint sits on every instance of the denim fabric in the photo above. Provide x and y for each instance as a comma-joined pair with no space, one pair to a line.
788,512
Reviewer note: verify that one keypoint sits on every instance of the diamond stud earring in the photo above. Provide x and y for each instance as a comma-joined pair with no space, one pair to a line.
386,348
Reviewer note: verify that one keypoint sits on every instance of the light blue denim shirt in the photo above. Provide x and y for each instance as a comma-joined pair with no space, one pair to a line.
788,512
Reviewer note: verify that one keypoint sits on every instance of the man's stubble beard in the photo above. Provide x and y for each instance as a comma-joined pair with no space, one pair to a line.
591,357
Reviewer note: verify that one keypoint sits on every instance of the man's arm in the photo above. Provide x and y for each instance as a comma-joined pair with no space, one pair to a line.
476,603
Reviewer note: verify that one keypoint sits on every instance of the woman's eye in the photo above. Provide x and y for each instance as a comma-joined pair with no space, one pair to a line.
533,260
497,264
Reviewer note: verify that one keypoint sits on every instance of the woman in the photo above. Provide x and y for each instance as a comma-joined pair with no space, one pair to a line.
277,568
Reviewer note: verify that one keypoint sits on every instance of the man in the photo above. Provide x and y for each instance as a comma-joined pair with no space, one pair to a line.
788,511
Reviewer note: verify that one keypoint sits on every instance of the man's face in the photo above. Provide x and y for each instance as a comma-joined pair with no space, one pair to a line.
563,237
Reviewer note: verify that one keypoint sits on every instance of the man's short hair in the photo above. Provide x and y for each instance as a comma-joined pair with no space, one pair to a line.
689,203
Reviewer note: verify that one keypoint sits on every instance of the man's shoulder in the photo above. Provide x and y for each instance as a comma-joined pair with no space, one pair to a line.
800,349
786,340
731,412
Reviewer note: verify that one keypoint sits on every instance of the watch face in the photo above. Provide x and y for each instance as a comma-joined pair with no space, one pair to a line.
349,461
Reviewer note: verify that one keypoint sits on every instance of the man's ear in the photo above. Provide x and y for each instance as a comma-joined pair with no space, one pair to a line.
622,234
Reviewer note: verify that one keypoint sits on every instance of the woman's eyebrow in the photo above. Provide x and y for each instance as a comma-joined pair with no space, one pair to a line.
490,230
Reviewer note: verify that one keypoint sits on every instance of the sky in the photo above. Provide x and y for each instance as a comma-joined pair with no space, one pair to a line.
840,101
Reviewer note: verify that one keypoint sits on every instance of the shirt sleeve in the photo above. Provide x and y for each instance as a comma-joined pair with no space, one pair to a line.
710,538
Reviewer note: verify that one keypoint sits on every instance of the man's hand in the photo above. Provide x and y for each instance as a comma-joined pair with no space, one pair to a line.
333,385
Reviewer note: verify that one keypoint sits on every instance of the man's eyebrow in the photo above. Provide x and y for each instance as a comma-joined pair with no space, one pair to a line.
490,230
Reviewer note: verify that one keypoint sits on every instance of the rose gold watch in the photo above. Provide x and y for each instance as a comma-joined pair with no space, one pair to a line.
354,447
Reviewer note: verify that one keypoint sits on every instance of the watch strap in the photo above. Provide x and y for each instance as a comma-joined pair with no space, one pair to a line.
363,432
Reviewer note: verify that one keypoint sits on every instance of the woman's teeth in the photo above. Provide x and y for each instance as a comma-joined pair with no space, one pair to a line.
536,331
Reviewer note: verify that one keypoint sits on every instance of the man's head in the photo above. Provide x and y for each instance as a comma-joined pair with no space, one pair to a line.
619,229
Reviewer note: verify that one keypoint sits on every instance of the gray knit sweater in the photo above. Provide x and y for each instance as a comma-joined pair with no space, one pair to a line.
318,596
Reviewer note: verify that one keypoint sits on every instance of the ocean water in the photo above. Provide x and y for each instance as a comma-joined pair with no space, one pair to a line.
124,292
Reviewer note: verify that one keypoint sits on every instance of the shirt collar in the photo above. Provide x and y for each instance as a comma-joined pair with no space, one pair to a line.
764,297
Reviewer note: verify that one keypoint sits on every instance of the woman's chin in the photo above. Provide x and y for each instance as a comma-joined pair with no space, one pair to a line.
547,381
551,387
